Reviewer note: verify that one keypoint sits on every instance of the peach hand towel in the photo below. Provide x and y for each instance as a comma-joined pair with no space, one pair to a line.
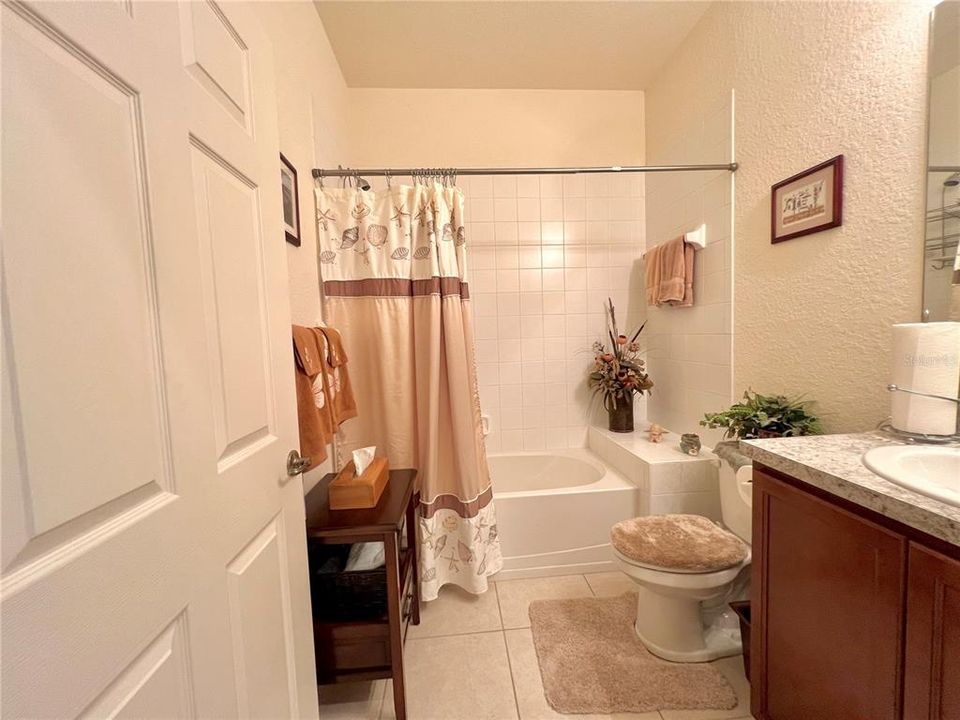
343,404
313,412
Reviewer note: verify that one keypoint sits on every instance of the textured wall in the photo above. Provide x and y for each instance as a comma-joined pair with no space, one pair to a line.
814,80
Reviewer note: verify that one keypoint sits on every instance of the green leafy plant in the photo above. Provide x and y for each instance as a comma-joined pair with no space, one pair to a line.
765,416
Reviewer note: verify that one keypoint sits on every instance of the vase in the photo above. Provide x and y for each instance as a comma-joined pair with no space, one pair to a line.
621,415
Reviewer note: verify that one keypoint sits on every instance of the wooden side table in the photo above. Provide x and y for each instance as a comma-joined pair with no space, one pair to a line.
370,649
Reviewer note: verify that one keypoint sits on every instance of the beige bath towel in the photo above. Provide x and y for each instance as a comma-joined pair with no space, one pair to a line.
651,274
668,273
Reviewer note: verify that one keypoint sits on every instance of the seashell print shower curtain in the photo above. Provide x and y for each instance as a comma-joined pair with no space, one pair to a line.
393,267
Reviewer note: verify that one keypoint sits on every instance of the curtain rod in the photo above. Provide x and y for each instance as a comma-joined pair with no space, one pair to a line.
399,172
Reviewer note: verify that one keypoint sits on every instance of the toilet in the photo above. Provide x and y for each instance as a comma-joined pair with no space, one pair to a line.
687,568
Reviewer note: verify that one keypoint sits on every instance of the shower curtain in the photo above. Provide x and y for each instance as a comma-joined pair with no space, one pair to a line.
393,267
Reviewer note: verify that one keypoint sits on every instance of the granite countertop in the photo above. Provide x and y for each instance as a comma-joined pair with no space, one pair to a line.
832,463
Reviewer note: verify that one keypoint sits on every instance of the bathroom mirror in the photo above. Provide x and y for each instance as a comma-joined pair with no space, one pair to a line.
941,269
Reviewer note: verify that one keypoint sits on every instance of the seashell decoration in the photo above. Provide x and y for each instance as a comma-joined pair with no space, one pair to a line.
422,252
360,210
376,235
401,253
349,238
328,257
461,237
447,233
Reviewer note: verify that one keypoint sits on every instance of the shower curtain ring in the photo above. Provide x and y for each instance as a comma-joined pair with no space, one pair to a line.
320,178
389,179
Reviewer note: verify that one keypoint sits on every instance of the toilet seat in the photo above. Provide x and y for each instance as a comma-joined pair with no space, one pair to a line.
678,543
680,579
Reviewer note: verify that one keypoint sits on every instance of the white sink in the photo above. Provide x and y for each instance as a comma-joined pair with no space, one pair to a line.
928,470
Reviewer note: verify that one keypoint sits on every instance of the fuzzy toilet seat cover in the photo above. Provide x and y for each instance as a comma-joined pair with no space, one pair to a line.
678,542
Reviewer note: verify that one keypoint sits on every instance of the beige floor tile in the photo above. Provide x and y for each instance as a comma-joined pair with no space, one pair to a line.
527,682
457,612
610,584
460,677
352,701
732,668
516,595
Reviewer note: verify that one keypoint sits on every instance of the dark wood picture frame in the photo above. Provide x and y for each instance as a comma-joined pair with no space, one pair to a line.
292,203
834,200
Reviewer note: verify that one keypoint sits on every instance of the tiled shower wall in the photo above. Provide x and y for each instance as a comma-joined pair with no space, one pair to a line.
545,252
690,348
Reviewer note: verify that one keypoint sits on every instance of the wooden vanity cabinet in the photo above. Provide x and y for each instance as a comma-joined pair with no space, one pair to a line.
855,617
932,679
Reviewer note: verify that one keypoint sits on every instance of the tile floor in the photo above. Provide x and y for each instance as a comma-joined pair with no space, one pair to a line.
472,658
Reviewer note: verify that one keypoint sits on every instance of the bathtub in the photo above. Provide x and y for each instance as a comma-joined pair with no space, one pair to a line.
555,509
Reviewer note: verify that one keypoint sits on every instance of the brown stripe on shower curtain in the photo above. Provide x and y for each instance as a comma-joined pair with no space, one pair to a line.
465,509
396,287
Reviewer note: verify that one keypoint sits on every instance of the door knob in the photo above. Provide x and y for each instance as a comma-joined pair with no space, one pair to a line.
296,464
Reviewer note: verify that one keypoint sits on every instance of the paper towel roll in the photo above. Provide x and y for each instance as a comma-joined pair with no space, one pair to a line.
926,358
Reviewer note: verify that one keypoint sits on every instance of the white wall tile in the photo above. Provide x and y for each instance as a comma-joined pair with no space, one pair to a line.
545,252
504,186
530,280
690,347
505,209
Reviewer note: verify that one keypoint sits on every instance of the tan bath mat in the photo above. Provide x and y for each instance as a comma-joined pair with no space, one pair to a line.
591,661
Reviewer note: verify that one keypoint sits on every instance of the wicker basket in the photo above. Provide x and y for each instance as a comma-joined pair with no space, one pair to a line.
339,595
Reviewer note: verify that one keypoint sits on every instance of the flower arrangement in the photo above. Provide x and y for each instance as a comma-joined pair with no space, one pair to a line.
618,373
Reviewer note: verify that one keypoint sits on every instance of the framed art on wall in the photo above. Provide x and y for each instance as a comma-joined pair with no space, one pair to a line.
808,202
291,201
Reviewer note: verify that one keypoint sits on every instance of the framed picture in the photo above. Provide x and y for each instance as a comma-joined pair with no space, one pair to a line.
291,201
808,202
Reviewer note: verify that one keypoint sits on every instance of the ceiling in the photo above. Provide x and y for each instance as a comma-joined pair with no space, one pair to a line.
571,44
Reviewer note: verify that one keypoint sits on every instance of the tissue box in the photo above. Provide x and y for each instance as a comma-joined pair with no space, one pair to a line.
349,491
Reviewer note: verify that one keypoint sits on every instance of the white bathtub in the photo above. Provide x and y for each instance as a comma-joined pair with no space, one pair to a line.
555,509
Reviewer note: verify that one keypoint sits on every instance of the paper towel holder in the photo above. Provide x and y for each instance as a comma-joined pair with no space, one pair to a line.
896,388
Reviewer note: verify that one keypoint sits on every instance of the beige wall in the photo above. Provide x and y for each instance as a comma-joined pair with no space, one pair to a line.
813,315
484,128
312,114
312,100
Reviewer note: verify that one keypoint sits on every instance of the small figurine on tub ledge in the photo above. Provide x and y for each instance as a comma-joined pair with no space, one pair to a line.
690,444
655,433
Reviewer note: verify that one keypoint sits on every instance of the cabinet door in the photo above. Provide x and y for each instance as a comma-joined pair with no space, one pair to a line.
932,680
828,607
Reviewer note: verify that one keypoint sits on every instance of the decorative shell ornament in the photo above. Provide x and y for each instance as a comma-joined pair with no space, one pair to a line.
656,433
401,253
349,238
377,235
447,233
461,237
327,257
421,253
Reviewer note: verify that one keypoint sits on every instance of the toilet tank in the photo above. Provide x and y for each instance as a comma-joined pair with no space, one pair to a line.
736,499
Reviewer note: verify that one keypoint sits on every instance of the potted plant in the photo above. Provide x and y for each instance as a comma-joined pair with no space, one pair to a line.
618,373
765,416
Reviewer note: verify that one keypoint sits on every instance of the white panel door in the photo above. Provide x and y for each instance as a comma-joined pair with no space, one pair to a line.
153,555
